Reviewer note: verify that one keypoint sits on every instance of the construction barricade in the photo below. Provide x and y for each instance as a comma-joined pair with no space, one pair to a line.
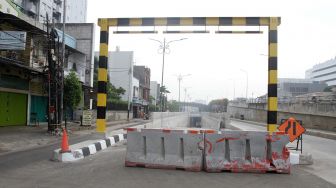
164,148
246,151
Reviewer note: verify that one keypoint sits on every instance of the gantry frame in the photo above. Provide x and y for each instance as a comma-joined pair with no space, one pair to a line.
271,22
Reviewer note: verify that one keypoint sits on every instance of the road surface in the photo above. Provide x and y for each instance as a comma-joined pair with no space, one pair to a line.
322,149
33,168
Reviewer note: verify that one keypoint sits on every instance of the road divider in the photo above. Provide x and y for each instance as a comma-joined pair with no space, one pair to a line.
84,151
164,148
213,151
246,151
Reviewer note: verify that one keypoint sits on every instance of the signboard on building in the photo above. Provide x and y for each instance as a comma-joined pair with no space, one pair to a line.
87,117
12,40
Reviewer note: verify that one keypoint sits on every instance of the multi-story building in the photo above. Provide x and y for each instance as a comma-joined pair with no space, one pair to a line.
23,62
155,92
80,55
142,73
325,72
39,9
291,87
120,70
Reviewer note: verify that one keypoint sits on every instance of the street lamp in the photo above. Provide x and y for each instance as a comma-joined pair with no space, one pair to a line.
246,81
164,46
179,78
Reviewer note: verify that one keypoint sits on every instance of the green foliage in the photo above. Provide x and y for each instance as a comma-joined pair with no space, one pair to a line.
173,106
113,93
328,89
117,105
219,105
72,91
153,108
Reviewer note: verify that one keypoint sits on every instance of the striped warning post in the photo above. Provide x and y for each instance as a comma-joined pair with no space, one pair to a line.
272,75
102,76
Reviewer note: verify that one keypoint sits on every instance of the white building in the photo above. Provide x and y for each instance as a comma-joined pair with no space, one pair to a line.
120,70
39,9
76,11
155,90
325,71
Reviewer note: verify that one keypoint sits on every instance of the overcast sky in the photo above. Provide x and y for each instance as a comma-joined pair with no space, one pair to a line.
306,36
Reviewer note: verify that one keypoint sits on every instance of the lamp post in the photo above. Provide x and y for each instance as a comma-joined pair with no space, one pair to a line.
164,46
179,78
246,81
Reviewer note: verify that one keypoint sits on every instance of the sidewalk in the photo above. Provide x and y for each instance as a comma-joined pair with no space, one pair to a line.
16,138
312,132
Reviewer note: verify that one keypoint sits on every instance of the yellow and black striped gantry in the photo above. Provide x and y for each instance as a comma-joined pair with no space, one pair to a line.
271,22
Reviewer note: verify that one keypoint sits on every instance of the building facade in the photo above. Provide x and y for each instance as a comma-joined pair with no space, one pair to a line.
155,92
142,73
325,72
291,87
39,9
120,70
24,66
81,56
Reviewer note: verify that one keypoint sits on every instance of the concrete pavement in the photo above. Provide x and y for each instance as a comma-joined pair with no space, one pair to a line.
322,149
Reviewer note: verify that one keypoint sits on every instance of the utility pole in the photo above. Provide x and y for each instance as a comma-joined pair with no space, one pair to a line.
52,78
164,46
163,61
130,86
179,78
62,64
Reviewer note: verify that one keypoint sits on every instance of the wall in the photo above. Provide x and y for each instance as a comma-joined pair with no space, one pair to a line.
113,115
169,120
322,122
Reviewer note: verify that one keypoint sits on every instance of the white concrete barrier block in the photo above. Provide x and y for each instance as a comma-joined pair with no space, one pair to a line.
294,158
103,144
92,149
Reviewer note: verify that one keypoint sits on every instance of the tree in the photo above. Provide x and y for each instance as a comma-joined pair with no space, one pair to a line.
72,91
219,105
328,89
173,106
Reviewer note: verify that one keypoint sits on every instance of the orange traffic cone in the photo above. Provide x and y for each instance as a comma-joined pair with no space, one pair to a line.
65,144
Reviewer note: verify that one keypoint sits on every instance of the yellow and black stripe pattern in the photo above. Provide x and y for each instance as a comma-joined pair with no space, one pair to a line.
135,32
272,75
239,32
271,22
102,76
189,21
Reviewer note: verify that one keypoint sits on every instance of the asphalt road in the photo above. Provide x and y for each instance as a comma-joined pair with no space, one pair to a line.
106,169
33,168
322,149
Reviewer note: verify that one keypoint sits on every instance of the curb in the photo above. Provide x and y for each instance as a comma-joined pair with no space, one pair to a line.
310,132
87,150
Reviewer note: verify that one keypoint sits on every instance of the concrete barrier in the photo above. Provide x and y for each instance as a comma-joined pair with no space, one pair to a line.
164,148
246,151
